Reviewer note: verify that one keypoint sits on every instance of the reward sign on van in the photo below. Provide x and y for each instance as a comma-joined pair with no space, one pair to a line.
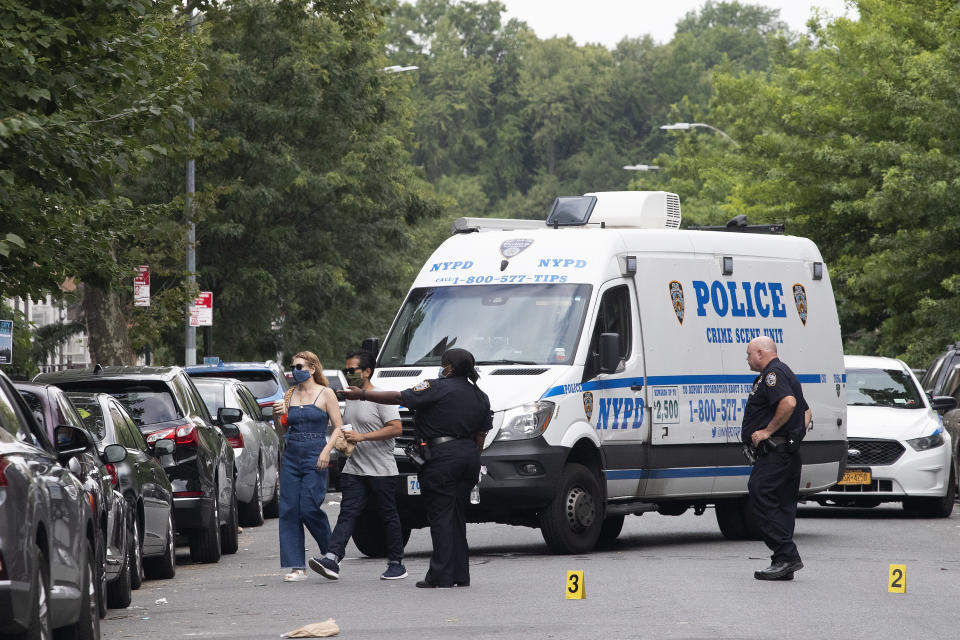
6,341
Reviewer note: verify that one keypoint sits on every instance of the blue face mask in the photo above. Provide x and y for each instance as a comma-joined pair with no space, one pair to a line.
301,375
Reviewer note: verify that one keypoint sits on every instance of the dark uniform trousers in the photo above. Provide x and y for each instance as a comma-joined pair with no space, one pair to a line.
445,481
774,486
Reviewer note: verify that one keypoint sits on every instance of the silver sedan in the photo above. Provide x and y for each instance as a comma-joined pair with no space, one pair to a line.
256,447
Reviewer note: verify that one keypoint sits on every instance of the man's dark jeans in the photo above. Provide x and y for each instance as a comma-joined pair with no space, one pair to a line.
356,491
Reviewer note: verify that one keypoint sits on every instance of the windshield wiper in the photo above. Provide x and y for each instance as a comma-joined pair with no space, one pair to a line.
506,362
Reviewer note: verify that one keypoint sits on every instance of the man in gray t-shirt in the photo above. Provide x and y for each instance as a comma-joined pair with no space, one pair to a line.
370,474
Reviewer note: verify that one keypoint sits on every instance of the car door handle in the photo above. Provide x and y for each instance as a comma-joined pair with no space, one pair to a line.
636,387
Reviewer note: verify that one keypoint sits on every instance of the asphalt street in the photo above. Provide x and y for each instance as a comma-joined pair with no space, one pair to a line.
667,577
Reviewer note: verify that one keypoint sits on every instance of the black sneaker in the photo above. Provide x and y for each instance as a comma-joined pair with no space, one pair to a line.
326,567
395,571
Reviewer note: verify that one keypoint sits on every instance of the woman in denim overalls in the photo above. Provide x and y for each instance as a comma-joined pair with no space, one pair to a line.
303,476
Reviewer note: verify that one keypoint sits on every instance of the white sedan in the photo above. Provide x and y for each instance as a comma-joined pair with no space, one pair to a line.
898,450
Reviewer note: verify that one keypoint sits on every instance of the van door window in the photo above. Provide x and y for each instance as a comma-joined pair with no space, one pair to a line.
613,316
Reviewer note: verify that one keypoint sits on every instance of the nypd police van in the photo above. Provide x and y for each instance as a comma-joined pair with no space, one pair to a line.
612,346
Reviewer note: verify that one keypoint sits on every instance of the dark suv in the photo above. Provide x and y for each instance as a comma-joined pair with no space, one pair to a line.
165,405
937,379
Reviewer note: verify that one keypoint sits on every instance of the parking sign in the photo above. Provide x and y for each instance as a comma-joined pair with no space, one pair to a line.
201,311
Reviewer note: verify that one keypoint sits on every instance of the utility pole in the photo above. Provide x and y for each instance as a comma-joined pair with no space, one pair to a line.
190,356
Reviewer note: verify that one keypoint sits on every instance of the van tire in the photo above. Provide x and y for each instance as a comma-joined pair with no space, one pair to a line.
610,530
571,523
736,520
369,535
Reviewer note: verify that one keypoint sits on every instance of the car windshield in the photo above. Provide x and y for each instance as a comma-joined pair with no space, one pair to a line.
147,401
498,324
882,388
261,383
212,394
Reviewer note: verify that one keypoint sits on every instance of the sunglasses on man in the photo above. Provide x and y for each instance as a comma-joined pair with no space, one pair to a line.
351,370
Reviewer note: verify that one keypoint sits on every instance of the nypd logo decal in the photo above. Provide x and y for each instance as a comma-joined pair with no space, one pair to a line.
588,404
800,297
676,297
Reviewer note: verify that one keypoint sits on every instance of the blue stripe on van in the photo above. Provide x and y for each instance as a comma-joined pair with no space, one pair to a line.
692,472
617,383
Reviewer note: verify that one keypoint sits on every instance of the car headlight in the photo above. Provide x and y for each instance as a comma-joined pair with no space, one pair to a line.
927,442
526,421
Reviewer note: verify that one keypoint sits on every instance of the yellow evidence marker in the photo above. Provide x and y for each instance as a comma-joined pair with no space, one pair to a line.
897,581
576,590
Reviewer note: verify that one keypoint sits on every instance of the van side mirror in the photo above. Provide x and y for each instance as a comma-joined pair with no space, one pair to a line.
942,404
372,345
609,352
227,415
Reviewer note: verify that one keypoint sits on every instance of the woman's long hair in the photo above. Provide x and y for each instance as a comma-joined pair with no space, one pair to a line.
314,361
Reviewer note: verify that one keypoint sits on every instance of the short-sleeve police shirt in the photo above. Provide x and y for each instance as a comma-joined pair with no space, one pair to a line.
774,383
448,407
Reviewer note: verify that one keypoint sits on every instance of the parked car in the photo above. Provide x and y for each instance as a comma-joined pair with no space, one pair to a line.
51,409
151,537
898,449
935,379
256,448
265,380
165,405
48,536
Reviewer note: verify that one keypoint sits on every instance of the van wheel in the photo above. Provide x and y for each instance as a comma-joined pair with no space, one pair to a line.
369,535
936,507
610,530
205,543
251,513
571,522
736,521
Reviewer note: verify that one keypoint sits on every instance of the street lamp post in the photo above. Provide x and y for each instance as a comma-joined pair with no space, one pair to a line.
685,126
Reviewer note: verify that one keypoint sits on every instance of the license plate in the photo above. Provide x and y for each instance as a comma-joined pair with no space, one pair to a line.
413,485
856,476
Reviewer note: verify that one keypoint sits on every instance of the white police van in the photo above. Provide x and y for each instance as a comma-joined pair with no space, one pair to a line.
612,345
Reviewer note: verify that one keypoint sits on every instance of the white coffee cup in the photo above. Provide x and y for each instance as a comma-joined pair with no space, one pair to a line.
347,427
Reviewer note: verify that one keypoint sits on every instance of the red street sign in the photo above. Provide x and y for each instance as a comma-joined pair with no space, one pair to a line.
141,287
201,311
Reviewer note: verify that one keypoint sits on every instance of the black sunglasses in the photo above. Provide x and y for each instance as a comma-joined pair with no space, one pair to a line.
298,367
351,370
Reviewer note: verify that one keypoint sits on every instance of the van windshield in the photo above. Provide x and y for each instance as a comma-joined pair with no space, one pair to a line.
522,324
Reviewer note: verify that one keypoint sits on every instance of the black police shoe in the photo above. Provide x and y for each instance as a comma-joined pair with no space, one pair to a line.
423,584
779,571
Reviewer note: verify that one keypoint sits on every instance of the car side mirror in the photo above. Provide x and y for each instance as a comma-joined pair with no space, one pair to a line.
70,440
266,412
227,415
114,453
609,352
164,447
942,404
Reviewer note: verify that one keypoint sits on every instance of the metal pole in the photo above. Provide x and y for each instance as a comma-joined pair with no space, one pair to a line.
190,356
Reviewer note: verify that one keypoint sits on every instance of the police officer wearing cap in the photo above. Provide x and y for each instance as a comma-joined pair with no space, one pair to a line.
452,419
774,421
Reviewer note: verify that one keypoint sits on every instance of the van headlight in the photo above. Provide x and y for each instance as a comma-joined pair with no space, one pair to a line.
526,421
927,442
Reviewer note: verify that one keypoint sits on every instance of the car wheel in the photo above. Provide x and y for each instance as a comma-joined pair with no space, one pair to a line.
101,581
119,591
136,557
271,509
165,566
205,543
571,522
87,626
251,513
230,532
39,628
936,507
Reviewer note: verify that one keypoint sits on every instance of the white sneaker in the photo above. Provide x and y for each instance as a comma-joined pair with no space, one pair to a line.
296,575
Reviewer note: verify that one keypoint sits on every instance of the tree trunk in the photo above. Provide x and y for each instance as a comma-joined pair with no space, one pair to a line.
106,328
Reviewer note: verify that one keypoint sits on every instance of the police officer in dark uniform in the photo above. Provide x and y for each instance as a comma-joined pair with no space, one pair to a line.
452,419
774,421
